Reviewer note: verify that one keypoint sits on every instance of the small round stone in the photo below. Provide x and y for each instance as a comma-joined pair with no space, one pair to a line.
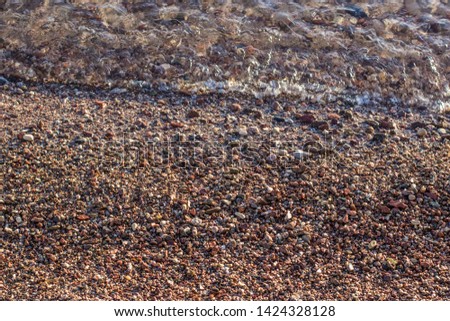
412,197
442,131
421,132
196,221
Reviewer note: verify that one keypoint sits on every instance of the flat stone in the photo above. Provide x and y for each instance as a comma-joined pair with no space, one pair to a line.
118,91
239,215
193,114
418,124
305,118
333,116
213,210
398,204
28,137
278,119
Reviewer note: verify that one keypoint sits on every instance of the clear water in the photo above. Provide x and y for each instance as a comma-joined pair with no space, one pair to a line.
319,51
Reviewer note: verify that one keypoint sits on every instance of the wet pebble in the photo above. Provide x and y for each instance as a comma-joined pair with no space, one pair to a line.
3,81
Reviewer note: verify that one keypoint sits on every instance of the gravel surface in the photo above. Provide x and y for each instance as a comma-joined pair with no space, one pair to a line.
137,196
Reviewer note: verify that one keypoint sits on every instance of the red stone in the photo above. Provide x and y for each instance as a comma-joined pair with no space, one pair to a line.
398,204
384,209
176,124
334,116
305,118
235,107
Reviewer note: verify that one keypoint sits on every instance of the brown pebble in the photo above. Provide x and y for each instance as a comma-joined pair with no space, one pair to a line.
235,107
384,209
305,118
193,114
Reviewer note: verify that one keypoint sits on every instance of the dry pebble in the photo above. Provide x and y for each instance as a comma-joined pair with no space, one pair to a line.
421,132
191,203
28,137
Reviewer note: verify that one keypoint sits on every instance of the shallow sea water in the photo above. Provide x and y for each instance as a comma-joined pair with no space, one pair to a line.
357,52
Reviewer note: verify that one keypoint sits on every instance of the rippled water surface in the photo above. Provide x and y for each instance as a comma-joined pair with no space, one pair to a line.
370,52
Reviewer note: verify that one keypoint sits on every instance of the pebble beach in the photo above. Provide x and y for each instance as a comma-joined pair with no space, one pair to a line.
220,150
172,197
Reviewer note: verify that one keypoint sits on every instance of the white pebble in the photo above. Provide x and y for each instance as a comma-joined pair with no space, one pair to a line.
350,267
28,137
196,221
300,154
288,216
